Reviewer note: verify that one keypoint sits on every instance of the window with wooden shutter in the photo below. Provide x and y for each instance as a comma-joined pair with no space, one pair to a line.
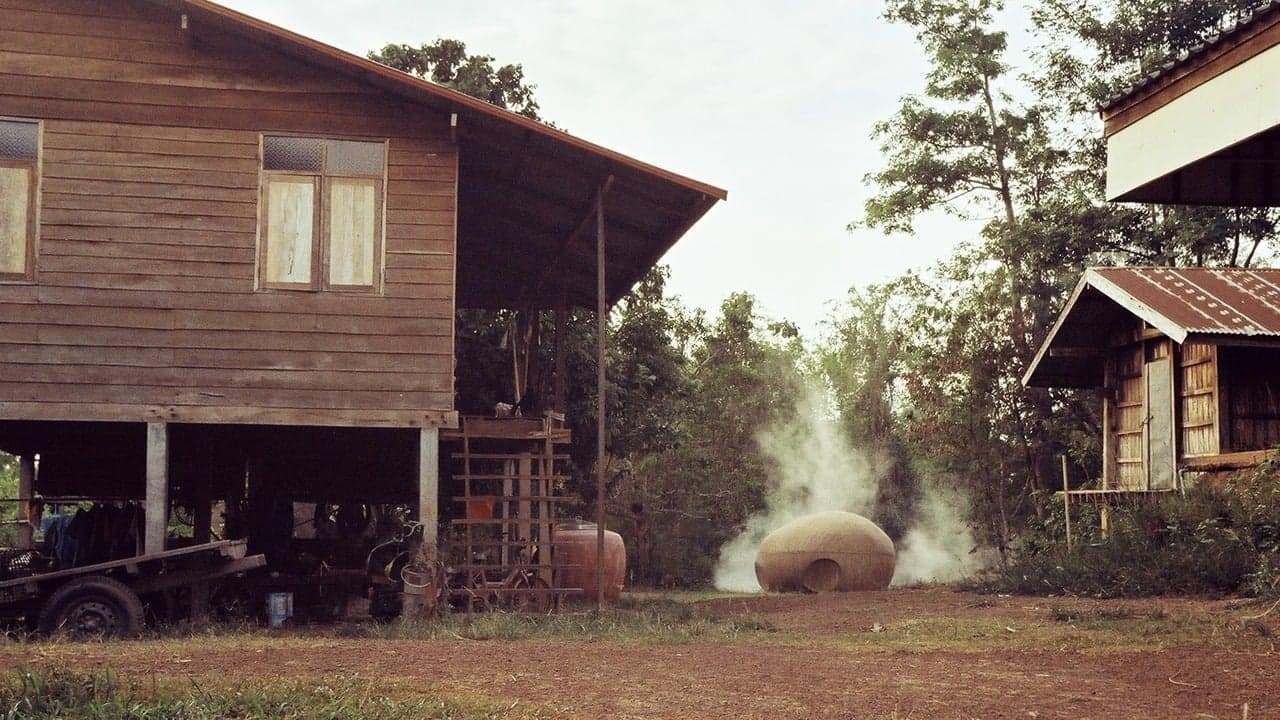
322,213
19,191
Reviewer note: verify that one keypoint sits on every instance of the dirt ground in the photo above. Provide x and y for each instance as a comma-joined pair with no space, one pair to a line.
912,653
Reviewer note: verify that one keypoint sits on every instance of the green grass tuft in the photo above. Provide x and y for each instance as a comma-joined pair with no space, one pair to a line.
63,695
647,620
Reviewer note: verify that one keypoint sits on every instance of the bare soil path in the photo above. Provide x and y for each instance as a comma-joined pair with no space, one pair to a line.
916,653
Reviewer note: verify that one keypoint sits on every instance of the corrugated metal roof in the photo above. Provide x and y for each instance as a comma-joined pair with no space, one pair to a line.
1264,10
1179,302
1196,301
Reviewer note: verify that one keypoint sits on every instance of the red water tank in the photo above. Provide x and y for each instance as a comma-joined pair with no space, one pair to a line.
575,544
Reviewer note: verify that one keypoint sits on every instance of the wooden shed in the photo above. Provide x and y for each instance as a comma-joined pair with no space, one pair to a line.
1186,359
230,251
1205,128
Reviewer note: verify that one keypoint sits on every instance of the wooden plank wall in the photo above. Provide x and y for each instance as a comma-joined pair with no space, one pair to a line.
1198,400
145,305
1129,416
1252,388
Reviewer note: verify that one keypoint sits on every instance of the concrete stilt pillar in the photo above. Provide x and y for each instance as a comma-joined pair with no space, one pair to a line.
157,507
429,483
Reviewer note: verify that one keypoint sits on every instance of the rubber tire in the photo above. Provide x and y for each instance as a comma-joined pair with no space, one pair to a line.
118,608
537,601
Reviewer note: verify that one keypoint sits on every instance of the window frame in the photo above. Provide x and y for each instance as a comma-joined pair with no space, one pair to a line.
264,221
321,222
35,179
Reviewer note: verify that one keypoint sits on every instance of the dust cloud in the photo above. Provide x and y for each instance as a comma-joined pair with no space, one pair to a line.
816,470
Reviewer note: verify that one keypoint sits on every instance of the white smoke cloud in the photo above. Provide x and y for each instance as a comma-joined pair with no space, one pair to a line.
817,470
939,546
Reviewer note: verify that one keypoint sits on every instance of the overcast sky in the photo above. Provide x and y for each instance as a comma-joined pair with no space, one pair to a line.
772,101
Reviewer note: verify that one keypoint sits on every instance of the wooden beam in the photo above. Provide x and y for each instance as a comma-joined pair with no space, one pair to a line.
157,507
594,216
1077,352
602,310
1228,461
429,484
26,507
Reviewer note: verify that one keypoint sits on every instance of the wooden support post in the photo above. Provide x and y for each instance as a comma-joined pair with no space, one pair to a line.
429,484
202,532
1066,501
525,509
562,317
157,509
26,504
202,517
601,326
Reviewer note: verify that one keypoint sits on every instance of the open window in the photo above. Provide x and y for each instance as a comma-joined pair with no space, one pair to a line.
322,213
19,192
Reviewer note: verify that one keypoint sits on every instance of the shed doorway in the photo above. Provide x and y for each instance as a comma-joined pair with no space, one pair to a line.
1161,453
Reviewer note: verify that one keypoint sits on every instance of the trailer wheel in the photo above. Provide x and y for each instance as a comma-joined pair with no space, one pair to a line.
93,606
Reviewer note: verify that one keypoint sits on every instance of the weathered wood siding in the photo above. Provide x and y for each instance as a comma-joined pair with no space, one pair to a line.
1198,400
1127,413
144,304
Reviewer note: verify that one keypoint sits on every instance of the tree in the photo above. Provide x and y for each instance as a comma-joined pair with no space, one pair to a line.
1034,169
446,62
743,374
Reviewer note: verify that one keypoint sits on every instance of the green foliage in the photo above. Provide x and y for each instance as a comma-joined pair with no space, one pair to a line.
8,489
1022,149
742,373
446,62
66,695
1220,540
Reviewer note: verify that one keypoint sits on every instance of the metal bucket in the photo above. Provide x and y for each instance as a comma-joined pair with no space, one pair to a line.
415,583
279,608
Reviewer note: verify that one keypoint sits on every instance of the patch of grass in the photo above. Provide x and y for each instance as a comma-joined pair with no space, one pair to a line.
1100,630
1106,612
631,620
64,695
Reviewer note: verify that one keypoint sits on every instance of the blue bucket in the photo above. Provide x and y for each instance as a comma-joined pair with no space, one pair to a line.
279,608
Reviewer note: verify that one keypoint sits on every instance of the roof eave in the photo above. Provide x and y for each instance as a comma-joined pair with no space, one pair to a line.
415,88
1192,61
1029,378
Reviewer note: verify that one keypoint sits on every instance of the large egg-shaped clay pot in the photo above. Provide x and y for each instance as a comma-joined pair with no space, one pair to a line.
826,552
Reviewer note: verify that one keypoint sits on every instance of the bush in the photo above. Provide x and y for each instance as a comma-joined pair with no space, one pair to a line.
1220,538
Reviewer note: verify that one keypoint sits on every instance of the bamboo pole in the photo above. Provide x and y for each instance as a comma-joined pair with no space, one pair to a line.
601,322
1066,501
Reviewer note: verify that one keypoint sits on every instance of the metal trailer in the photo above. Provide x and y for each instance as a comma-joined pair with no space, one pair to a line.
104,598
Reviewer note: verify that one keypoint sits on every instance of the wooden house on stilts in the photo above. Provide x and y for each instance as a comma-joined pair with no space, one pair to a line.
231,257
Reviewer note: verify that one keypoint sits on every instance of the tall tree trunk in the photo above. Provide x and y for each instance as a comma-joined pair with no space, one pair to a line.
997,144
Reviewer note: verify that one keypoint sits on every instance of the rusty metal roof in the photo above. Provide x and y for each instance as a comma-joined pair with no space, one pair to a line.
1263,10
1196,301
1226,303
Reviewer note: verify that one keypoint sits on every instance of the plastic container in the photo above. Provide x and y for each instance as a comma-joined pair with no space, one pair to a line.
279,608
575,544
